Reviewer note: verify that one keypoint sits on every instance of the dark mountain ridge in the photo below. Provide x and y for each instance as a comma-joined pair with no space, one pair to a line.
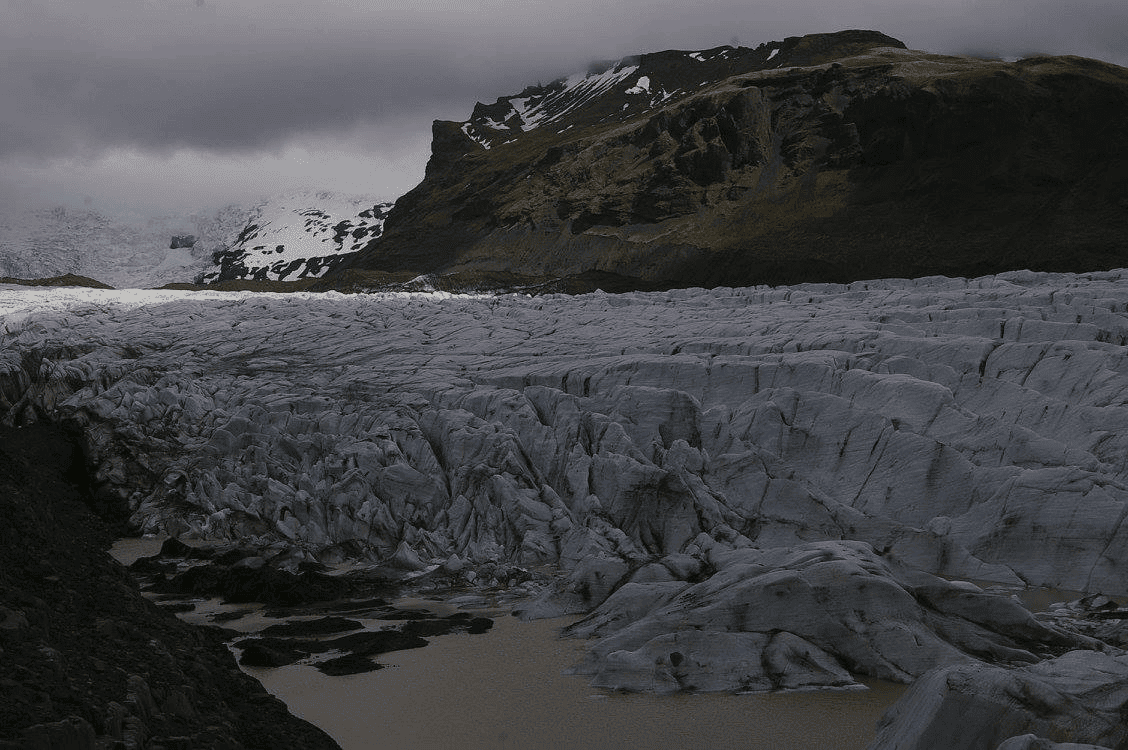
828,157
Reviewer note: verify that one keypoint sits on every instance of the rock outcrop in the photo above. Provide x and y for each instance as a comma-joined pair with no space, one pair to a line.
829,157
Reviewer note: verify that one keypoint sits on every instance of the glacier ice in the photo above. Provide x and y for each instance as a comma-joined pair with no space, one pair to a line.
645,444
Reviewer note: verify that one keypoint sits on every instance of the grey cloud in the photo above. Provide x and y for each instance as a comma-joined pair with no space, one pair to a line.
240,78
243,85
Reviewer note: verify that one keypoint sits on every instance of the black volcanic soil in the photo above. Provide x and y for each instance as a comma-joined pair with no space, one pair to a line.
85,660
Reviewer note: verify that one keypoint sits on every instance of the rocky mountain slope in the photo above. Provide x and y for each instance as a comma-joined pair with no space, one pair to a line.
825,157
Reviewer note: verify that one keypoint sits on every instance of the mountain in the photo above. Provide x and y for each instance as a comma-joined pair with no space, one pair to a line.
296,236
825,157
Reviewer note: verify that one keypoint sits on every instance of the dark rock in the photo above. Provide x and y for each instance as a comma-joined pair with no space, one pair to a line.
373,607
69,279
181,240
272,651
479,625
173,547
178,606
428,628
105,667
261,653
151,566
348,664
72,733
246,583
374,642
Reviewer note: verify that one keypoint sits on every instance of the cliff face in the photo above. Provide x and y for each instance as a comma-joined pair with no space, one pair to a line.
826,157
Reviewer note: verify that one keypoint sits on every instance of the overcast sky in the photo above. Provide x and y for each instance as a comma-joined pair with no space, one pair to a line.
175,105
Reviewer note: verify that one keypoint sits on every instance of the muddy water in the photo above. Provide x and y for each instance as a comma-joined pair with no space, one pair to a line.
505,689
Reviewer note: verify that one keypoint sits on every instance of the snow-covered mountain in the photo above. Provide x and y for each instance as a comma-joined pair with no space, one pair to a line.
297,236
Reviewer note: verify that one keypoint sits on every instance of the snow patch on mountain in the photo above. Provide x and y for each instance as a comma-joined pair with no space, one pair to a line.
616,91
642,86
297,235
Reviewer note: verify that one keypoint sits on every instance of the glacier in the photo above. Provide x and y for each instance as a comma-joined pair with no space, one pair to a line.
742,489
121,251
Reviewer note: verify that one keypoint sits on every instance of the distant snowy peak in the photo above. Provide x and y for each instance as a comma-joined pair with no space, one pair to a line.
296,236
629,88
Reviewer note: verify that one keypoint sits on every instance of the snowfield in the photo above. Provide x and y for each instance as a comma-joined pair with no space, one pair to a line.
747,488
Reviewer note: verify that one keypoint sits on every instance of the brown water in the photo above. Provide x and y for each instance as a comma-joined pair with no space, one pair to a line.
505,689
